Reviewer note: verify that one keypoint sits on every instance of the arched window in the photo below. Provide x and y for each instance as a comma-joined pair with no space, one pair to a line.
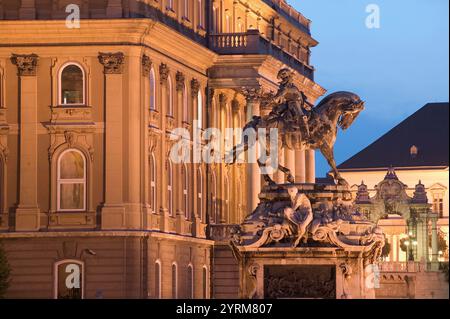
185,105
158,279
214,208
170,188
169,96
227,200
205,282
170,4
174,281
186,9
190,282
200,193
72,85
227,23
71,181
200,13
152,188
185,176
200,110
152,90
69,279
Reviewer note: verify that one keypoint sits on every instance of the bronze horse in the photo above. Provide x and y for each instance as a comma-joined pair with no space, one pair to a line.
338,109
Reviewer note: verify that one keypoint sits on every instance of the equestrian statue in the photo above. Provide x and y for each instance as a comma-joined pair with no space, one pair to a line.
302,126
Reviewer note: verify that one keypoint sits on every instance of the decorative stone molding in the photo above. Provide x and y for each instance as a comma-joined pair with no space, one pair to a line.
180,78
146,65
235,107
26,64
195,87
163,73
252,94
112,62
223,99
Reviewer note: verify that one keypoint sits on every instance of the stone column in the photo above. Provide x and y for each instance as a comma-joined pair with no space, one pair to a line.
134,147
280,177
113,210
252,96
434,239
310,166
27,212
289,160
300,166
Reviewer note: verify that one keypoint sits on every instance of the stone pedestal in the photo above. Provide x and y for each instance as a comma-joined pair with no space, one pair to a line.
307,241
304,273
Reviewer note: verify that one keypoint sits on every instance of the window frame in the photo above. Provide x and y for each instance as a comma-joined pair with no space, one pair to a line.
71,181
158,272
152,181
170,189
60,72
152,90
174,284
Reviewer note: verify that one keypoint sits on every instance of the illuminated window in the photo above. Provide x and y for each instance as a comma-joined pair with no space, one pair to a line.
190,282
152,90
158,279
174,281
72,85
69,279
438,204
152,171
71,181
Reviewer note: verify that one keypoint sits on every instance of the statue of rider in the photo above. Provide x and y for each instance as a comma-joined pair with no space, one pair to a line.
291,105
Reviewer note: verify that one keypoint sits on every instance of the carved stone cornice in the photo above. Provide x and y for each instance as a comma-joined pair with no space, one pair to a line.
146,65
112,62
180,78
163,73
26,64
195,87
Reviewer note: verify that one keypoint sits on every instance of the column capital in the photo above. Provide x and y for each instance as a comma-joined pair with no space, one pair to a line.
223,99
146,65
180,78
163,73
252,94
195,87
235,107
26,64
112,62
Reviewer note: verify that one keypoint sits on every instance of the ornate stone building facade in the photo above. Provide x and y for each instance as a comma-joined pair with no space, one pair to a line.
86,120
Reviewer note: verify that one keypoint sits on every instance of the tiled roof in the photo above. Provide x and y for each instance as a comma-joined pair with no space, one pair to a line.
427,130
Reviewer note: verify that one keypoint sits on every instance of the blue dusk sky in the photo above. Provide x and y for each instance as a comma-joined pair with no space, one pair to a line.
396,69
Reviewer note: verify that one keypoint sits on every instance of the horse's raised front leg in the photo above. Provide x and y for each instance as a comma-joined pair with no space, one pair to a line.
328,153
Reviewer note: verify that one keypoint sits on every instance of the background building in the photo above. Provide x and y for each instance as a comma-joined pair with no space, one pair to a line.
86,114
418,150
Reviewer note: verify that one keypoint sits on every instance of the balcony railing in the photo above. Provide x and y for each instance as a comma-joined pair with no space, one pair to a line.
222,232
252,42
